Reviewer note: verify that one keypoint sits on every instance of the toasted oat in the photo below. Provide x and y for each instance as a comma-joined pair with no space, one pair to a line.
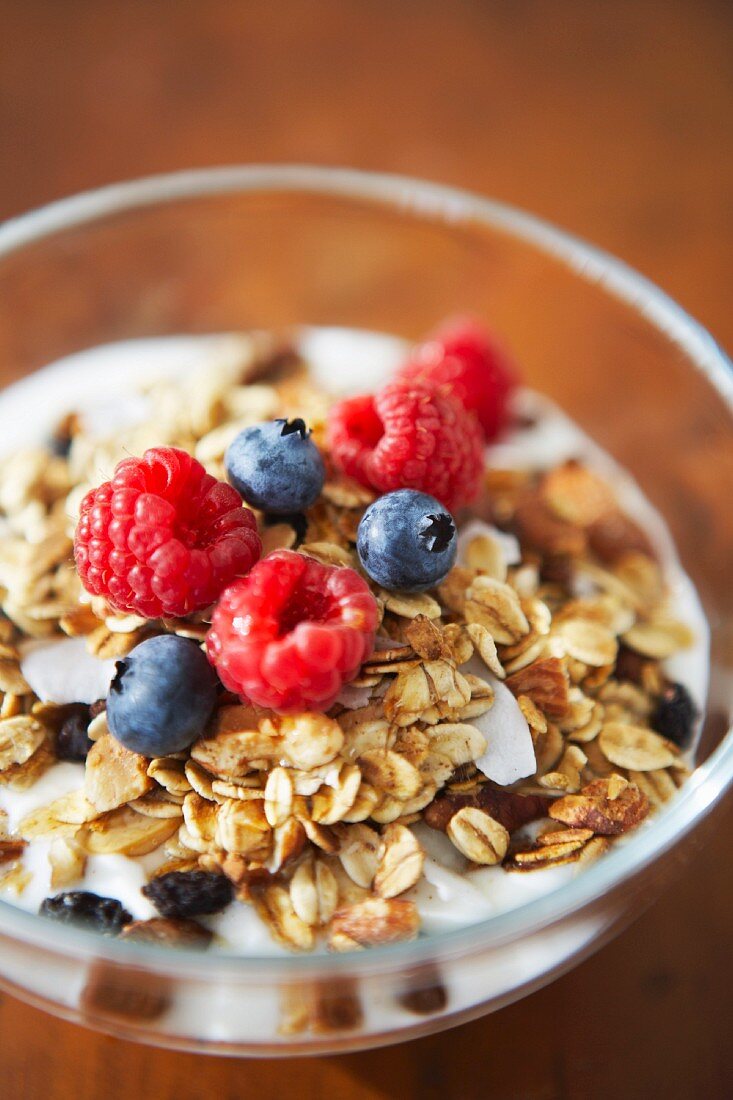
314,892
409,605
278,796
486,648
276,908
590,642
636,748
659,637
496,607
359,853
401,862
478,836
567,777
124,832
390,772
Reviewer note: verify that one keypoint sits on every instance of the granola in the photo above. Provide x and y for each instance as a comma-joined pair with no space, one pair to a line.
510,709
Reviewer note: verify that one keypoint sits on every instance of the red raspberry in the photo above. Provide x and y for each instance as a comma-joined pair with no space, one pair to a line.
289,634
410,435
468,360
163,537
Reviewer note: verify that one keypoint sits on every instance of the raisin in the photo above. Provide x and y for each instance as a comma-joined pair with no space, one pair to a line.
97,708
72,742
105,915
675,715
189,893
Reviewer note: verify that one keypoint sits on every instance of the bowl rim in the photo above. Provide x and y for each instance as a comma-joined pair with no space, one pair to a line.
434,202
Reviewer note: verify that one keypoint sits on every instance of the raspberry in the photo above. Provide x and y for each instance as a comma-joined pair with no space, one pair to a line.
163,537
467,359
293,631
411,435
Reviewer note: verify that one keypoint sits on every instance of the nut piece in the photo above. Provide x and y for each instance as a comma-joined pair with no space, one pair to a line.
602,807
114,775
479,837
636,748
546,683
401,864
377,921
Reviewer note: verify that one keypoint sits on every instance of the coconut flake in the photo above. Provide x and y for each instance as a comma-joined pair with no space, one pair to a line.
64,671
353,698
509,751
475,528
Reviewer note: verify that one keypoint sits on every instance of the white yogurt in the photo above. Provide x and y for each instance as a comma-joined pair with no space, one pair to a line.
102,383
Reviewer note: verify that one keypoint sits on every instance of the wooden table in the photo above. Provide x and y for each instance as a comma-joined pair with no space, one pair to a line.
612,119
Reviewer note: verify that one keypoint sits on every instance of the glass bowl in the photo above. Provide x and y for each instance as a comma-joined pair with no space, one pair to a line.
266,247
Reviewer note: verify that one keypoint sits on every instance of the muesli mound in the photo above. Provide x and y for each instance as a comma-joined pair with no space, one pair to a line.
423,640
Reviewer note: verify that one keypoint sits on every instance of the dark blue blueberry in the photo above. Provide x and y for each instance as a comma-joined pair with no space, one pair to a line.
276,467
72,741
406,540
675,715
162,696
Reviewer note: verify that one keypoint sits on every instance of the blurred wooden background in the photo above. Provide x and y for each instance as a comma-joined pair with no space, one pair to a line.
610,118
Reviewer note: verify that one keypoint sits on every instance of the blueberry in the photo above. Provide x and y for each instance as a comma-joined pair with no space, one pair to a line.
276,467
72,741
162,696
675,715
86,910
407,540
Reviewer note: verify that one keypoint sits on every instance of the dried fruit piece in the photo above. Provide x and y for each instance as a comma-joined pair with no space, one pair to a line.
509,808
104,915
189,893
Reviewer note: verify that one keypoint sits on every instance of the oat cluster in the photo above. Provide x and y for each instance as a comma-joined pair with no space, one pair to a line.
310,815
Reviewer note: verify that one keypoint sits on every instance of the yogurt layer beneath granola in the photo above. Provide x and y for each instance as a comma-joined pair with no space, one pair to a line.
105,387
